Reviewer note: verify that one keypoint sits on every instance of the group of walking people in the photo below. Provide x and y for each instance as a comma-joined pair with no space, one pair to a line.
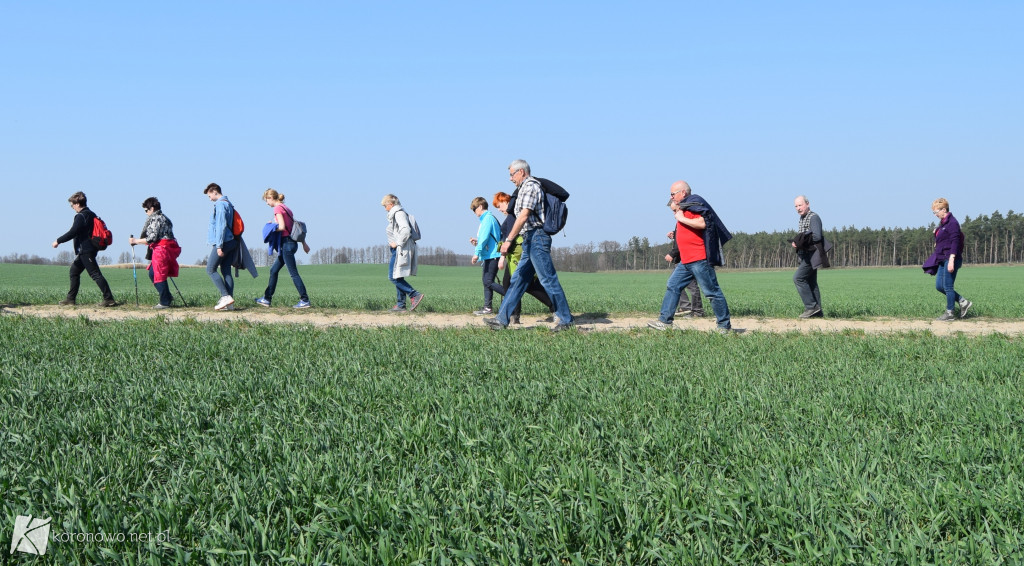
224,235
518,247
698,236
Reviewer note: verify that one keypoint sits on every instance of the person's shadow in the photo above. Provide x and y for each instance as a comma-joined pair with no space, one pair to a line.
592,318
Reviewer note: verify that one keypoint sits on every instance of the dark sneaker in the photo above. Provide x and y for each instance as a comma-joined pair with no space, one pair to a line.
263,302
563,326
946,317
494,324
301,305
724,331
67,303
659,325
548,319
696,314
108,303
514,319
483,311
415,301
964,305
398,308
814,312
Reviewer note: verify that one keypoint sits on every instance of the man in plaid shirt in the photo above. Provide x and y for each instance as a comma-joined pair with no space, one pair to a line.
536,251
806,276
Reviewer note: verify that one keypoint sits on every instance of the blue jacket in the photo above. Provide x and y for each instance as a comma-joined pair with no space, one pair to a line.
272,237
488,237
715,232
220,222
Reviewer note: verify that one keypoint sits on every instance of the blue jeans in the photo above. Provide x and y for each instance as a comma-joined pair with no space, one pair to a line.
162,288
224,281
704,273
944,283
536,260
401,285
286,257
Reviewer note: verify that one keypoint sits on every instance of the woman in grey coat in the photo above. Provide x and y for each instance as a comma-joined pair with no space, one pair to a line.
403,253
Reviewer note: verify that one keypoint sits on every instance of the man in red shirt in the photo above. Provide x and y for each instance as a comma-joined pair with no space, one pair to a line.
693,264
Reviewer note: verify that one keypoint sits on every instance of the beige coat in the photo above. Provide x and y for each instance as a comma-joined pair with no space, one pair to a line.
399,232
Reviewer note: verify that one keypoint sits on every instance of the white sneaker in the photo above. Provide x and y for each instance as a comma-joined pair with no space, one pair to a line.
224,302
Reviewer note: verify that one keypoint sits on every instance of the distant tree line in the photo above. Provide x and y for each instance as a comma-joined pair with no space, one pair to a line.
426,255
63,257
989,239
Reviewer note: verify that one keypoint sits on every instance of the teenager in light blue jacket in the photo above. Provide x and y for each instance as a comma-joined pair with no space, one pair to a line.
223,246
487,252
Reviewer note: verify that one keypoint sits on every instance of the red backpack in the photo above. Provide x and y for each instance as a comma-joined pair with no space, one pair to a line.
237,226
101,235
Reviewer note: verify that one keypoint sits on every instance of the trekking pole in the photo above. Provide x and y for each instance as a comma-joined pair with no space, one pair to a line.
134,276
183,301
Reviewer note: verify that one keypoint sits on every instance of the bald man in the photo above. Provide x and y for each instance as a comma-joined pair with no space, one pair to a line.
809,236
700,235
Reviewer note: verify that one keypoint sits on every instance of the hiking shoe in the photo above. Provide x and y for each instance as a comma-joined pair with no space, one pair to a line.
67,303
964,305
947,316
813,312
415,301
224,302
483,311
397,308
263,302
108,303
160,306
659,325
494,324
301,305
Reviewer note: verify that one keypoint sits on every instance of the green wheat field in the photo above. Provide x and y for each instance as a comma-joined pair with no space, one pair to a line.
242,443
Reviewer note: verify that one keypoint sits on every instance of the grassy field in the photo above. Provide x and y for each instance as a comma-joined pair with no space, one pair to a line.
236,443
846,293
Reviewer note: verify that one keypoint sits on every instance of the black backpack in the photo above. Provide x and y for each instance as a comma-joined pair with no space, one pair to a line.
554,212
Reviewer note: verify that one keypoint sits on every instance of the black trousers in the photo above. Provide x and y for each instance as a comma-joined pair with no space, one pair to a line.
490,269
86,261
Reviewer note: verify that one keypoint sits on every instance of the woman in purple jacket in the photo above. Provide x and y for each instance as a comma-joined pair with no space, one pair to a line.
946,260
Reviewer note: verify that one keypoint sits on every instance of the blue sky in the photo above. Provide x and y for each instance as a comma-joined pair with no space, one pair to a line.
871,109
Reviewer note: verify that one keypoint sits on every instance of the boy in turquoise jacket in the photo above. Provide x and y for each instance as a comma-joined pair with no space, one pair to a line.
487,252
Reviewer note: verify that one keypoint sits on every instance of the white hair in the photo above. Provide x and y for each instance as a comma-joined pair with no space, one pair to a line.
520,164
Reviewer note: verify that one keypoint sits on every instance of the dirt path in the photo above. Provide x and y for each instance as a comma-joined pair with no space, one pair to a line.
325,318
